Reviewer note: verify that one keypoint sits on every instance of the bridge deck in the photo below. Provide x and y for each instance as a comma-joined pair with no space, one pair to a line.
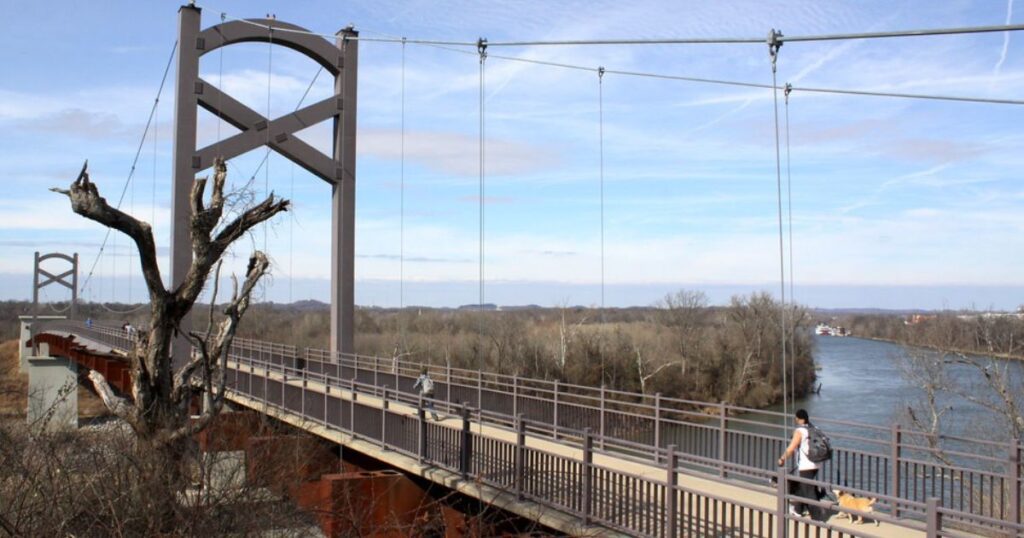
543,464
742,493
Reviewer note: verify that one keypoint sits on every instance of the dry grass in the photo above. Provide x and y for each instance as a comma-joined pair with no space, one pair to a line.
13,385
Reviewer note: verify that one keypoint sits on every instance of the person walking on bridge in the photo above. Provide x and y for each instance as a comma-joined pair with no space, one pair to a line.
426,387
807,468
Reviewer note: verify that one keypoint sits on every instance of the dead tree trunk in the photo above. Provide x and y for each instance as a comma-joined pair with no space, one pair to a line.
158,408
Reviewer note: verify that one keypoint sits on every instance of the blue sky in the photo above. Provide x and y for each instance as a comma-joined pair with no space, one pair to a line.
896,203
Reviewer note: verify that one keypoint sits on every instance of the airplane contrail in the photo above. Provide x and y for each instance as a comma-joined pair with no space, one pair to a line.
1006,38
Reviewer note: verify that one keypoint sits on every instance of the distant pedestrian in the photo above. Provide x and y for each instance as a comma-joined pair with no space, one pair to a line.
426,387
88,323
129,331
806,468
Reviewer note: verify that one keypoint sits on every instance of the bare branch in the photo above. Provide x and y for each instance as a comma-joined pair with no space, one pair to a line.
121,407
87,202
214,358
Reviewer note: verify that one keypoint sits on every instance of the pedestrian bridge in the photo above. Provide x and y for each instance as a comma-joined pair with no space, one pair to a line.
586,460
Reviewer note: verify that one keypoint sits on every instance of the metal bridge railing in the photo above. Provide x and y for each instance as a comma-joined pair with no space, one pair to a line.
981,495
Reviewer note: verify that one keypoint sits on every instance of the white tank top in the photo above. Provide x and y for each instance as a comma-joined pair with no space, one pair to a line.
803,463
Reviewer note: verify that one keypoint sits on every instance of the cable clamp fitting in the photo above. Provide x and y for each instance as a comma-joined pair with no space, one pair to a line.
481,48
788,90
774,44
600,73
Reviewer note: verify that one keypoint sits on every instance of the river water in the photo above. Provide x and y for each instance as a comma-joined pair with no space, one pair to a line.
863,381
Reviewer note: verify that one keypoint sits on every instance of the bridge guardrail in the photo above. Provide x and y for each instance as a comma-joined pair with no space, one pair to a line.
981,499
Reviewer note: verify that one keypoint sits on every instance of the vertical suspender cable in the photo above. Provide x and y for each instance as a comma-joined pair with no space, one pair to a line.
401,200
266,168
291,235
131,211
600,151
600,144
773,50
792,295
482,50
156,132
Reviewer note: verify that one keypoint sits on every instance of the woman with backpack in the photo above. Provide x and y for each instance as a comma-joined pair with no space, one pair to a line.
812,448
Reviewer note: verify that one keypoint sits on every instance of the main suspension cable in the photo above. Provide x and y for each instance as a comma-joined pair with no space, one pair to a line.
135,160
455,46
679,41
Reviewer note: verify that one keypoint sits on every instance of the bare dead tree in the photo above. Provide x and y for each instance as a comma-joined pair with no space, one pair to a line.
158,408
927,371
644,369
684,311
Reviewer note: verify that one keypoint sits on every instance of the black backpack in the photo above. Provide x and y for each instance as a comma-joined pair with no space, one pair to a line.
819,446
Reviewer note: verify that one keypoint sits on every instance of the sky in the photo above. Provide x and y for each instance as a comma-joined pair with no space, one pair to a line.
894,203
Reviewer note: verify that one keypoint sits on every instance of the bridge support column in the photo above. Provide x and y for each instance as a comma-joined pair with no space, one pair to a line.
52,391
286,463
184,170
343,199
223,444
378,503
25,349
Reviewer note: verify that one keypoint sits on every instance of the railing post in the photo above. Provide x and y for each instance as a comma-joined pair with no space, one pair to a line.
781,525
723,438
1014,478
384,419
302,395
554,422
587,486
479,389
657,426
448,382
601,431
466,447
520,461
671,481
895,440
515,395
284,384
933,519
422,415
327,396
352,407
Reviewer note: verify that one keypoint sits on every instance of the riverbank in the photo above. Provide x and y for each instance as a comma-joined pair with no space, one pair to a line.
994,355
